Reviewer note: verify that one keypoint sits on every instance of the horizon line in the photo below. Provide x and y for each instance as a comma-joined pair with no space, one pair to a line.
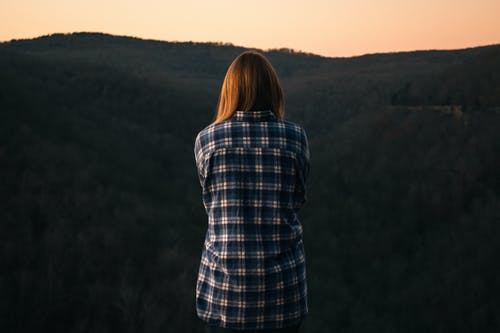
231,44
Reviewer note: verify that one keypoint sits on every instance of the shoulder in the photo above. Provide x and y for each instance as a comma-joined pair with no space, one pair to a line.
294,126
297,136
209,137
210,132
296,131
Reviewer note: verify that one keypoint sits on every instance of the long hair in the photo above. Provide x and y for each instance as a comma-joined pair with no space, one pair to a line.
251,83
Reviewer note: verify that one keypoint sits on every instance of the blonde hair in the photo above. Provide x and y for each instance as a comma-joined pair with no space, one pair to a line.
250,83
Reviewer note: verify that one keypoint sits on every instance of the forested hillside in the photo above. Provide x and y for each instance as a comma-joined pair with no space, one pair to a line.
101,218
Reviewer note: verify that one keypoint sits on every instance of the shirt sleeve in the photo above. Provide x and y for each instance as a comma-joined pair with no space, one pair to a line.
303,170
199,158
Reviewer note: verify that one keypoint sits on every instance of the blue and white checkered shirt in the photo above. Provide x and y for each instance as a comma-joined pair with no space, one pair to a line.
252,169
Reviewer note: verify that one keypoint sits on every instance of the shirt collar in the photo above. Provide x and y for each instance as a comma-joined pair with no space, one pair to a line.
254,115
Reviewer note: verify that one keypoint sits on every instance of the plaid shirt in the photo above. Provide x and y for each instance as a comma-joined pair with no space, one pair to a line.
252,169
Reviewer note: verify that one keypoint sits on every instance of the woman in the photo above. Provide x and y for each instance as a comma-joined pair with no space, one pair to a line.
252,167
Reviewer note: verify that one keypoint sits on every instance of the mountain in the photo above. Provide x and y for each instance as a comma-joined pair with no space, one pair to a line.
102,222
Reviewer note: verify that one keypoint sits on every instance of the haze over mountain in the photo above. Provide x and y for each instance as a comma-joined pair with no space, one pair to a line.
101,218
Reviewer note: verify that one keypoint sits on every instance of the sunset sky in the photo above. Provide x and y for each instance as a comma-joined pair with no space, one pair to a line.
330,28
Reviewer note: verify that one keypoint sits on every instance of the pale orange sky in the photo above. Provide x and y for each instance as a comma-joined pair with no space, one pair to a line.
330,28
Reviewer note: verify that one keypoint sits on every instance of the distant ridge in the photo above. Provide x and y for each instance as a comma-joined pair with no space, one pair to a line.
107,36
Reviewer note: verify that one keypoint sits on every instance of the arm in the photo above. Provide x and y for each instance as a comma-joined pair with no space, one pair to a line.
303,170
198,156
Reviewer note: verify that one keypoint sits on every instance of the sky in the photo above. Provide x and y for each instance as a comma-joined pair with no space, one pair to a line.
334,28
